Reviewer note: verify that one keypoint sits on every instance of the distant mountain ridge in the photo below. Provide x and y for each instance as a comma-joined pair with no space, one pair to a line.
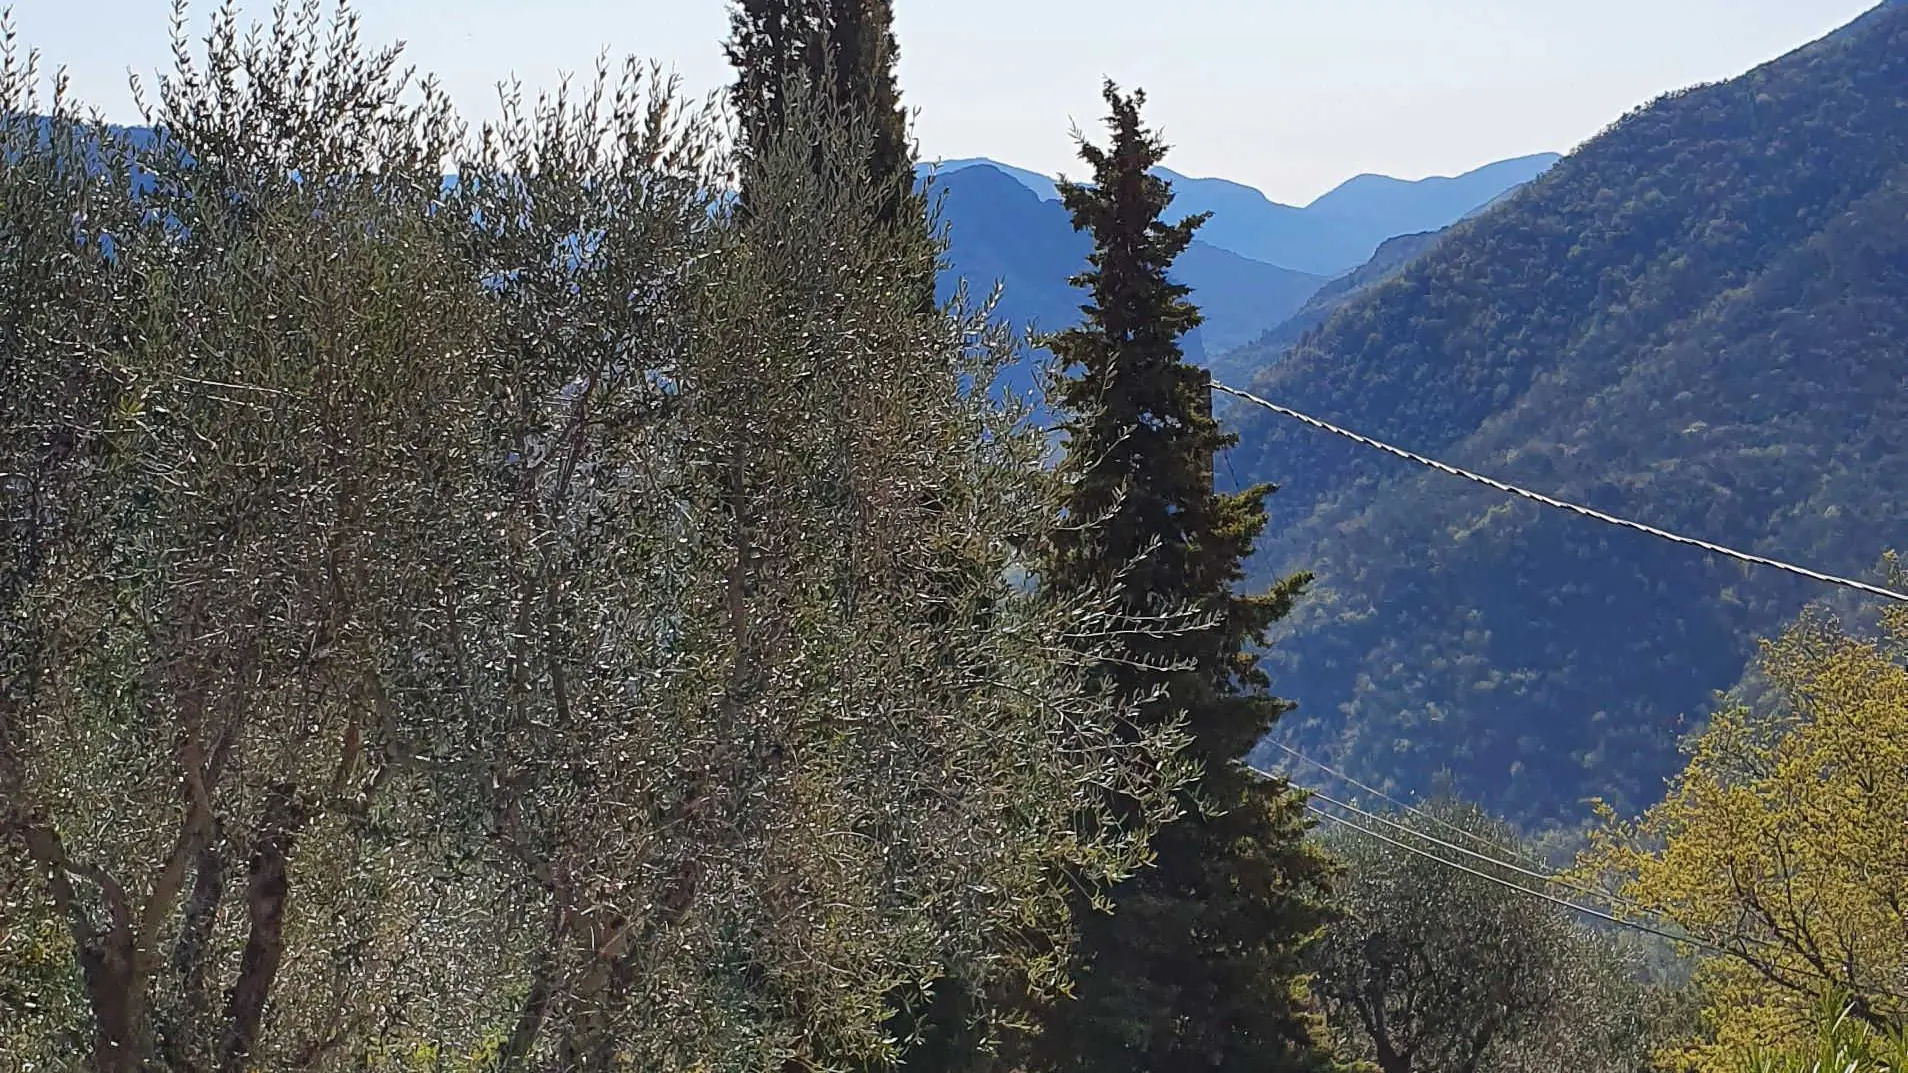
1698,320
1007,225
1046,188
1000,231
1337,232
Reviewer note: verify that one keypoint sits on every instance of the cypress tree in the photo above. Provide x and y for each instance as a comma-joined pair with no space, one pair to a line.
861,38
1199,967
844,48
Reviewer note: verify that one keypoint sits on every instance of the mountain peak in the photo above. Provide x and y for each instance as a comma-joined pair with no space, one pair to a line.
1433,196
1216,184
1042,186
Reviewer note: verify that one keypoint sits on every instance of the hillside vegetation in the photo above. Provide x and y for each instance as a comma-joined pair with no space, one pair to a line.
1238,365
1698,321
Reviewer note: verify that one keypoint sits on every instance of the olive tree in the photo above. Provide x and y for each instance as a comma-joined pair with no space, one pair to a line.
534,618
1439,969
225,418
778,737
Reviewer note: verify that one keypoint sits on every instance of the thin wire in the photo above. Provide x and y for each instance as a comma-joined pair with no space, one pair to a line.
1521,889
1689,940
1538,497
1412,809
1546,877
1615,899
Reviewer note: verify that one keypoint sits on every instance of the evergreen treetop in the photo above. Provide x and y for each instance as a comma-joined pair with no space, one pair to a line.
843,48
1142,437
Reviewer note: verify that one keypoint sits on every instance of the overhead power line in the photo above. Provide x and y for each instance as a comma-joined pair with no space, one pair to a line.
1548,878
1496,857
1548,501
1565,903
1633,925
1400,805
1541,876
1544,877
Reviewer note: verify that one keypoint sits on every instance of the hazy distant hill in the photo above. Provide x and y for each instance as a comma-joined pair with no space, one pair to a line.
1000,230
1239,365
1399,207
1699,320
1044,187
1343,229
1334,234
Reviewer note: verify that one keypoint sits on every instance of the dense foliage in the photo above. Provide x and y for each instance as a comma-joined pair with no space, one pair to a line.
1782,843
843,50
1198,964
1840,1043
1442,964
1697,320
543,620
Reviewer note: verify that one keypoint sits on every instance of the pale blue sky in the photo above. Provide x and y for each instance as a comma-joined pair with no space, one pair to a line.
1288,95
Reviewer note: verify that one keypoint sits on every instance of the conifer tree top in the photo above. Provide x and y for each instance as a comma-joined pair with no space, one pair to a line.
1139,421
844,50
1122,209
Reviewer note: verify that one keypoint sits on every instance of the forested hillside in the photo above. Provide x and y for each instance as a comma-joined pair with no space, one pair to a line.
1699,320
1241,363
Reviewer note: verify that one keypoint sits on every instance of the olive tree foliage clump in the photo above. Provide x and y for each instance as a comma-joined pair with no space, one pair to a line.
848,757
226,427
530,620
1440,969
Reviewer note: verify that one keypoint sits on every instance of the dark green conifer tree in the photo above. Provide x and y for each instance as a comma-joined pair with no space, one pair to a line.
1199,968
845,48
861,37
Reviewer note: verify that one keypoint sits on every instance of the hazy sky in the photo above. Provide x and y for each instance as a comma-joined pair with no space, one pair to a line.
1292,96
